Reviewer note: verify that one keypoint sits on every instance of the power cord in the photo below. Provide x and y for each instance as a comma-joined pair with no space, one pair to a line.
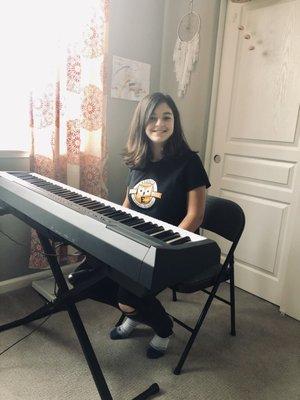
26,336
55,288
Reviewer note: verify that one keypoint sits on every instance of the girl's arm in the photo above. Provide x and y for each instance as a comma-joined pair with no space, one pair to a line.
195,209
126,202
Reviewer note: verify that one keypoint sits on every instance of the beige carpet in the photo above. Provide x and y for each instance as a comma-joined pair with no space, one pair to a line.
261,363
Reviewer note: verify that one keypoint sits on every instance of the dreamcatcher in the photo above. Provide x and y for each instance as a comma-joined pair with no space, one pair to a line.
186,51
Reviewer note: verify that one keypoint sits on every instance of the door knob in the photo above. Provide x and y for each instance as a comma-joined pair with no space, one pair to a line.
217,158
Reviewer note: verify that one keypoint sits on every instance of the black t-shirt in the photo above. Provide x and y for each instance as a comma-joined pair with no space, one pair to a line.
160,189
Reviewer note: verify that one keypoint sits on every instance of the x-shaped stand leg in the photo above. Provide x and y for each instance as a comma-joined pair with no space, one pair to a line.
67,303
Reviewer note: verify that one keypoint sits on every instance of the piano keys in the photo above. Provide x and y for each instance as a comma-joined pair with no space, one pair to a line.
143,254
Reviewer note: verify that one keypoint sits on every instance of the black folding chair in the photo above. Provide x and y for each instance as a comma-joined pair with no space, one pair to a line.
226,219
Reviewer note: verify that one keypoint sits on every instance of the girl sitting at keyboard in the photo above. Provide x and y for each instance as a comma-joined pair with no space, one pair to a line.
166,181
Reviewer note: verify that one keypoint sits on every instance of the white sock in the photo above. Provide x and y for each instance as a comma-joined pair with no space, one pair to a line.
159,343
127,327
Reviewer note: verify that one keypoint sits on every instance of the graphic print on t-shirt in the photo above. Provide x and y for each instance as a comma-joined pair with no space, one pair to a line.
145,193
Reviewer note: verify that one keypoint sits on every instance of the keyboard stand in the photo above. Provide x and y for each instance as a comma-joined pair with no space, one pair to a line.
65,301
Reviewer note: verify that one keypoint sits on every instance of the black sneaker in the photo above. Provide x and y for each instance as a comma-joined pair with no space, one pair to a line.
154,353
115,334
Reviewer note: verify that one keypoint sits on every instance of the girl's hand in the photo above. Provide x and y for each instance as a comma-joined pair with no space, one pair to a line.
126,202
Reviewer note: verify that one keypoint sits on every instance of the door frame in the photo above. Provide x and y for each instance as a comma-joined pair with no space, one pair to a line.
215,85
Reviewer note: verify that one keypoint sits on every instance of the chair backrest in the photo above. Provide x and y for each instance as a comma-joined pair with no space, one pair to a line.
224,217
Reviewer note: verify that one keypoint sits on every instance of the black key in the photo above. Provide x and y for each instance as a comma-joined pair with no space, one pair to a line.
34,179
54,187
71,196
106,211
111,213
84,201
42,184
134,221
66,194
127,219
74,198
19,173
117,213
97,203
81,200
93,203
171,237
120,217
58,190
49,187
164,234
31,179
130,220
61,193
154,230
95,207
146,225
102,209
181,240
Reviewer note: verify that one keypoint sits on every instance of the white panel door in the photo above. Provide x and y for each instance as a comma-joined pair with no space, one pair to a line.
256,151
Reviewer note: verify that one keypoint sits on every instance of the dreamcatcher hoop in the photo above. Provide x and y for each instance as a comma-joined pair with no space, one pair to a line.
186,51
186,25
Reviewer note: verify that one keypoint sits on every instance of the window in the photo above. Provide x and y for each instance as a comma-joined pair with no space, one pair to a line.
14,130
29,33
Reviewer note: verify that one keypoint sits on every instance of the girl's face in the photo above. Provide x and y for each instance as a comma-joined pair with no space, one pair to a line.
160,125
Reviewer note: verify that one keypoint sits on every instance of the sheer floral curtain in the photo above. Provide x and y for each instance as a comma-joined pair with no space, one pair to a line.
68,105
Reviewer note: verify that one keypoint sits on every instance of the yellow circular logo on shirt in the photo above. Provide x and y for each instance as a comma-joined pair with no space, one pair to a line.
145,193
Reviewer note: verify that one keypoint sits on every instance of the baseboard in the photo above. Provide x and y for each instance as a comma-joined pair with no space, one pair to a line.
26,280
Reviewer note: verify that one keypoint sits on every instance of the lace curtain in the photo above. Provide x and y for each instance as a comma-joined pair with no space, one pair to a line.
68,108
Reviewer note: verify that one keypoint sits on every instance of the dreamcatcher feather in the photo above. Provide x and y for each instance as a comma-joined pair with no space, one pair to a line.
186,51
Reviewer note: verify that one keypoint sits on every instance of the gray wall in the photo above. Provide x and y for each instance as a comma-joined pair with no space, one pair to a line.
135,32
146,31
13,257
194,106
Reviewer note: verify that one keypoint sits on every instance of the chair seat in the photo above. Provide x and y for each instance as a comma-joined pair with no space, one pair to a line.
202,280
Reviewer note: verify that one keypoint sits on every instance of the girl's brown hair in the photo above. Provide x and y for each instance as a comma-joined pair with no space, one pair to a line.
137,151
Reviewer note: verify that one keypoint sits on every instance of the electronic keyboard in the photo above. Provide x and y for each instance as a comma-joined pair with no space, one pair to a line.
143,254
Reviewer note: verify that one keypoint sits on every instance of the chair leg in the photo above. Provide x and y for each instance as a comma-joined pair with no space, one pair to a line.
174,295
232,302
121,319
185,352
